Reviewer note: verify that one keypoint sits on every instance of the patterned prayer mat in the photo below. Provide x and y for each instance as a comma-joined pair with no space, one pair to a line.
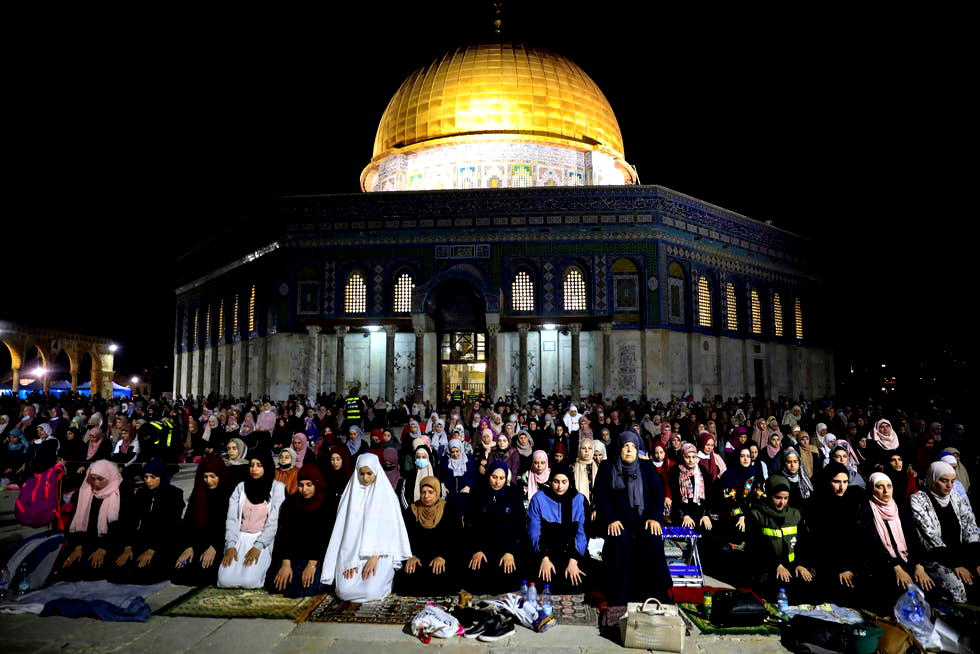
570,609
694,613
211,602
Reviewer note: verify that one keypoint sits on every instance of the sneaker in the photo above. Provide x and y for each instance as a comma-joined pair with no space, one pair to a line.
497,629
476,627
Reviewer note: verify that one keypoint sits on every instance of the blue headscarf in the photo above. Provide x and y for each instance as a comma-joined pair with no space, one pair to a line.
159,469
21,444
497,465
627,475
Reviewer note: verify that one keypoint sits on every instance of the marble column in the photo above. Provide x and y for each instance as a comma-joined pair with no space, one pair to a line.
419,362
74,377
106,390
493,331
606,328
189,384
200,370
575,329
315,360
339,378
228,381
214,380
96,380
15,380
522,330
246,355
644,378
390,331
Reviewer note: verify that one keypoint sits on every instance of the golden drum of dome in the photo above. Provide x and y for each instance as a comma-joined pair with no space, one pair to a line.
502,89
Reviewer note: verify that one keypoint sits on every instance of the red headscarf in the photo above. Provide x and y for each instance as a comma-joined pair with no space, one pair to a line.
199,499
310,473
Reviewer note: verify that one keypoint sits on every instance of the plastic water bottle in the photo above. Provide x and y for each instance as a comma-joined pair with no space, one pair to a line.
532,595
546,606
782,601
4,582
24,586
911,611
524,590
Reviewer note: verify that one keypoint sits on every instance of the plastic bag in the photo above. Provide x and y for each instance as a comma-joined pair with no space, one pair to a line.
434,621
912,611
515,606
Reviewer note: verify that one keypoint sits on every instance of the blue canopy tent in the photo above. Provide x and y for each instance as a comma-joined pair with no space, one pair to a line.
117,390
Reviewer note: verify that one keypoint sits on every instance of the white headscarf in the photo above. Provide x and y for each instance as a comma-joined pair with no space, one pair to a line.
369,523
936,470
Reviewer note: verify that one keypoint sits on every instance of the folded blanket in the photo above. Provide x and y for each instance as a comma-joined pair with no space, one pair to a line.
119,595
136,611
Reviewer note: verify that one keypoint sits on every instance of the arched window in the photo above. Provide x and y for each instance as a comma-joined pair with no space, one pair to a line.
704,302
355,294
731,309
573,290
234,316
520,175
522,292
756,312
207,326
221,318
197,324
675,284
798,319
777,314
251,311
626,287
403,293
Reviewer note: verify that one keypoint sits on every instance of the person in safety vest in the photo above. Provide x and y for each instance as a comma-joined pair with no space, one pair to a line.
776,532
159,440
353,410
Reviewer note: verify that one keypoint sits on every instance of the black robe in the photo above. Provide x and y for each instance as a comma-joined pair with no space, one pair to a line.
495,525
199,537
151,521
634,564
302,536
428,544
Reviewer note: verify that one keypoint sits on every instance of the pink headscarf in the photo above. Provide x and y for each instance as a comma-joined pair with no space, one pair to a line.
95,437
534,478
301,450
888,511
664,438
691,480
109,511
890,442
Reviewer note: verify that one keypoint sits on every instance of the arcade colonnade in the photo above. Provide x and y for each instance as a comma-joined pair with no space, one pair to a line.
49,343
573,358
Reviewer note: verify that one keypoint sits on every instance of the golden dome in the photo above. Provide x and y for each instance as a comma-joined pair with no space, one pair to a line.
500,89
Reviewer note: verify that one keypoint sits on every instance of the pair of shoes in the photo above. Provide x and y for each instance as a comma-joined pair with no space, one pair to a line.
496,627
473,621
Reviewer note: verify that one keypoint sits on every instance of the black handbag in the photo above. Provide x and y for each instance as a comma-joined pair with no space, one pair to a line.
737,608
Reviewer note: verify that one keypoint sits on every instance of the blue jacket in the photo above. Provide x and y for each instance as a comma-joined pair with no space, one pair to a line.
544,508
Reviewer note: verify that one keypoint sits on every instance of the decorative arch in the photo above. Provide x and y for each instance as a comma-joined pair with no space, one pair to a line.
464,271
523,299
355,292
705,302
676,287
755,312
403,283
626,286
575,287
308,290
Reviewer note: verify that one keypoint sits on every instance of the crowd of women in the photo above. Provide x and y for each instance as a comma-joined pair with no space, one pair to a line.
297,498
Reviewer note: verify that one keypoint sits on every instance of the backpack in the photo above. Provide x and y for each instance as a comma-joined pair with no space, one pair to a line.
39,502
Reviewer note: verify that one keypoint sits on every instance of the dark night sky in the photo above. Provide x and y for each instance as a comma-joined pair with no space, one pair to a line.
138,140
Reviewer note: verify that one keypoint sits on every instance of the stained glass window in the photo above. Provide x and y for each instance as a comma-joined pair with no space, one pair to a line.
521,175
403,293
704,302
221,318
756,312
355,295
675,280
197,324
777,314
234,316
574,290
732,308
798,318
522,293
251,311
207,326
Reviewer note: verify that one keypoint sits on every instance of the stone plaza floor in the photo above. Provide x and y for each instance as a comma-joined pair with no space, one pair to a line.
172,635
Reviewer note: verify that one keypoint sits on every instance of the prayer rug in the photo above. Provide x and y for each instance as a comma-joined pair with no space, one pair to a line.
694,612
394,609
211,602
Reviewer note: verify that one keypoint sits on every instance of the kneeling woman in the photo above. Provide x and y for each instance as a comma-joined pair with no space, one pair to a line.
152,521
556,525
496,530
369,541
776,531
94,531
433,530
251,524
630,503
203,529
892,549
305,524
